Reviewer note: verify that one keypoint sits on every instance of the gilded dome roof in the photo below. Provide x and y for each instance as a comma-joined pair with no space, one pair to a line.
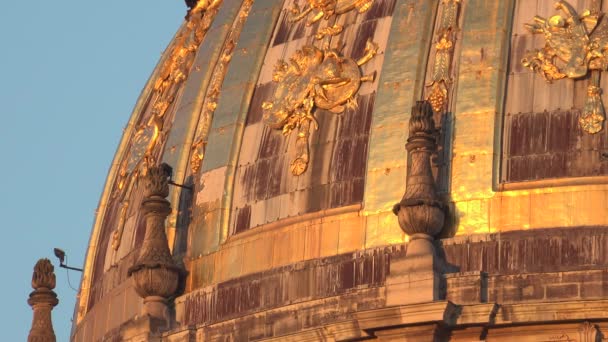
285,124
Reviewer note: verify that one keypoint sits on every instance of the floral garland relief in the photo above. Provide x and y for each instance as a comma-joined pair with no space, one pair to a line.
441,74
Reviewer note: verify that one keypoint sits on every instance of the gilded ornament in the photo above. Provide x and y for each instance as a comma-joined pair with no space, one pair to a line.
201,5
213,91
198,154
143,142
593,115
172,74
324,9
329,31
117,235
441,78
313,78
574,46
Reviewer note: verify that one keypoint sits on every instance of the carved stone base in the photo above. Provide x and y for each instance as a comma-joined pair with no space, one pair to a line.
421,252
142,328
156,306
413,287
418,277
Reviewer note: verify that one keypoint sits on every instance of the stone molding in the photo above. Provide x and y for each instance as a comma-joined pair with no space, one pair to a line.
434,312
446,321
323,313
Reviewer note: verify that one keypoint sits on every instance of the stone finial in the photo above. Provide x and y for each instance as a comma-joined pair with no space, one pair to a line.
44,275
156,181
420,210
421,120
155,274
417,278
42,300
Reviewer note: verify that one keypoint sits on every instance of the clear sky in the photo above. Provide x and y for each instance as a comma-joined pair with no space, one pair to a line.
71,72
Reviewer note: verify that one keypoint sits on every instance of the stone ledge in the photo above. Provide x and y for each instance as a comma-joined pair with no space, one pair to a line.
487,266
552,312
441,311
459,321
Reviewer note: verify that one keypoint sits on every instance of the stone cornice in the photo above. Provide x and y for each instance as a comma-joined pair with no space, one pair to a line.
552,312
447,316
441,311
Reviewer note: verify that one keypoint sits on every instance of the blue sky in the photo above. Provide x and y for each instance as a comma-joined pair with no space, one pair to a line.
71,72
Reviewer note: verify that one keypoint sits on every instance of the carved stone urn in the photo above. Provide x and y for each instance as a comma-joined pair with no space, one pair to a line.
42,300
421,213
155,274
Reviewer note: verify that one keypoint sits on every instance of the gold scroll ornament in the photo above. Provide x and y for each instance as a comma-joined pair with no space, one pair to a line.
316,10
313,78
444,47
173,72
574,45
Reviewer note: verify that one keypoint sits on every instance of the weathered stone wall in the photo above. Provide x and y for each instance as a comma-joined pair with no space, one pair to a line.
512,268
530,251
304,281
534,265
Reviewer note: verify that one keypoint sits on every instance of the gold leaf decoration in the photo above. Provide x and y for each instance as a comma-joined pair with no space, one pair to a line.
574,45
173,72
441,78
313,78
318,10
213,91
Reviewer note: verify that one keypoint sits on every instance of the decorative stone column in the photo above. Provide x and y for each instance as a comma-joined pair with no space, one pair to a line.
155,274
421,213
42,300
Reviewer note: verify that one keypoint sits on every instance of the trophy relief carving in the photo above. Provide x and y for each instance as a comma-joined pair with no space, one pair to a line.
313,78
575,45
